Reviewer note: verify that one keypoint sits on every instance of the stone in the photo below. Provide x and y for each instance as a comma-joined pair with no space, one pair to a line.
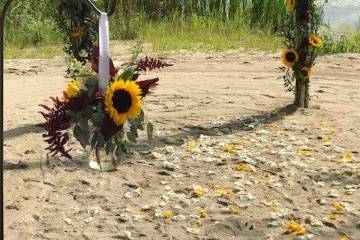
68,221
333,193
321,201
311,220
168,166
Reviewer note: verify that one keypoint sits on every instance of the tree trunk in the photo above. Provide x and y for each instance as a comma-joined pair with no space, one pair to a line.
302,25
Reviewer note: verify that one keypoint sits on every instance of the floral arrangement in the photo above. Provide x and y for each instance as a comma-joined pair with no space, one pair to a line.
106,120
80,28
301,37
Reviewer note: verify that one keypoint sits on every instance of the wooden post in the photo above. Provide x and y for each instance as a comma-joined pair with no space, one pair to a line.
302,31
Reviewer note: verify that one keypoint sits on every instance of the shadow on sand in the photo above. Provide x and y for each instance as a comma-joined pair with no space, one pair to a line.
241,124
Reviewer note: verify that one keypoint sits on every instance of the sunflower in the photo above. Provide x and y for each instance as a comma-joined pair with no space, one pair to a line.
77,32
290,57
306,72
315,41
291,5
123,101
72,89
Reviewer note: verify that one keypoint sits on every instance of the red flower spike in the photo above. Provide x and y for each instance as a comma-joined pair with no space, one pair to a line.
146,85
56,121
149,64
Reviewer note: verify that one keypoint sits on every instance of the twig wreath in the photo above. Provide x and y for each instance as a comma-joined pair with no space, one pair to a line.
104,119
301,37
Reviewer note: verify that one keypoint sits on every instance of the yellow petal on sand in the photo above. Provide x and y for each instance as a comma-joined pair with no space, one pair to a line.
304,152
198,191
339,207
203,213
168,214
221,192
191,145
141,214
347,156
333,217
245,167
274,126
294,227
344,237
234,210
198,223
229,148
327,138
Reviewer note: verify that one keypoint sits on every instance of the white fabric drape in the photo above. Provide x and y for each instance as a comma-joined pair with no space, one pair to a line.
104,52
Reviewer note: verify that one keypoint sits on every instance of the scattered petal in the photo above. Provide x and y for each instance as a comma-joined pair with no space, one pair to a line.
294,227
168,214
229,148
339,207
198,191
221,192
203,213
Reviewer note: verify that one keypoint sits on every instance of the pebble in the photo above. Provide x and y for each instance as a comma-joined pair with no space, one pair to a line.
68,221
333,194
311,220
179,218
321,202
168,166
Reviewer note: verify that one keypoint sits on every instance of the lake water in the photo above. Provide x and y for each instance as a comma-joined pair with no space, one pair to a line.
339,12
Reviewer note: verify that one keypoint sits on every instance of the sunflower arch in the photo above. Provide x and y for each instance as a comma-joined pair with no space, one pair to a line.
301,39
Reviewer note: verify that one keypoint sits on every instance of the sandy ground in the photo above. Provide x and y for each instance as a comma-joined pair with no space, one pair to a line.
223,125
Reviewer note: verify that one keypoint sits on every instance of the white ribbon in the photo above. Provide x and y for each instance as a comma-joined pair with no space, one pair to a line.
104,52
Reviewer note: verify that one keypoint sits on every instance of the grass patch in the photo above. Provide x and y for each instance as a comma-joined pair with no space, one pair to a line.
203,34
344,40
34,52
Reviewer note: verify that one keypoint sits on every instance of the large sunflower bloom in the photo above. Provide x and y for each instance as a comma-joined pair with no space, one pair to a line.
123,101
315,41
291,5
306,72
290,57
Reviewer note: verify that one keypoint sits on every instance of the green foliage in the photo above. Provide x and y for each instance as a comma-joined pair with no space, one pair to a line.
341,42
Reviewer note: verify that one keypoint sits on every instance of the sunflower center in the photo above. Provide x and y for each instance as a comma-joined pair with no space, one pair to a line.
121,101
290,57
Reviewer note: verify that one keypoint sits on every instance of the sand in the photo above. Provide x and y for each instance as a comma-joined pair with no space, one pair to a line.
223,121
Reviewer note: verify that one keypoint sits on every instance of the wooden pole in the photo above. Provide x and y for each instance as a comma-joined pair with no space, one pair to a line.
302,24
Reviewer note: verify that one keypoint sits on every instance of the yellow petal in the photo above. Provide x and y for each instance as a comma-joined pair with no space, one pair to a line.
339,207
203,213
229,148
168,214
198,191
221,192
294,227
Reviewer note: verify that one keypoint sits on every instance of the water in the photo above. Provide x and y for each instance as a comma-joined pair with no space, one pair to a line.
342,12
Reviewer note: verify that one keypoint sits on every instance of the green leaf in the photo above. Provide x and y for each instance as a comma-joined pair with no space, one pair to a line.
81,136
150,131
83,124
128,73
131,137
92,86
